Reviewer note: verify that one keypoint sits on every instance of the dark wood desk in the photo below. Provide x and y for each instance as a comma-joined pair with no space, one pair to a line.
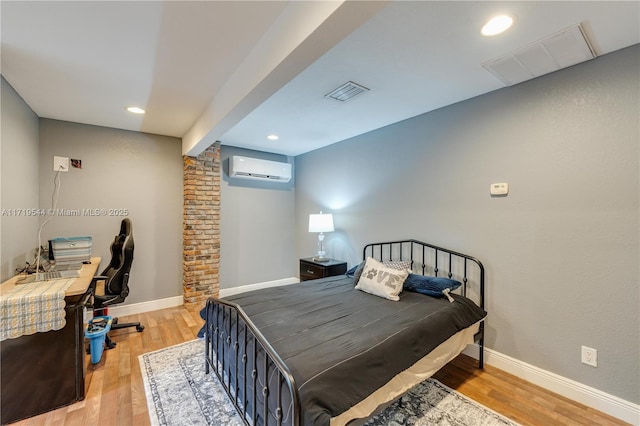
44,371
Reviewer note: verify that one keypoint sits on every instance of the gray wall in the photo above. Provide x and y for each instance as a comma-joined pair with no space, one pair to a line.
19,180
121,169
257,225
561,250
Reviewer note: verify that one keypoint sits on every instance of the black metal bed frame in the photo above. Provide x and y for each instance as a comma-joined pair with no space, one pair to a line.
238,335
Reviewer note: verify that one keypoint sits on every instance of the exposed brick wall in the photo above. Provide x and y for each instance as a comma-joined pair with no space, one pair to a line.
201,226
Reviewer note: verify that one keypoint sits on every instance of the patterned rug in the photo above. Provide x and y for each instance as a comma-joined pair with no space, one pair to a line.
179,393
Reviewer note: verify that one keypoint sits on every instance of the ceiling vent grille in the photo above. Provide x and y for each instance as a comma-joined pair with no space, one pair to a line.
346,92
552,53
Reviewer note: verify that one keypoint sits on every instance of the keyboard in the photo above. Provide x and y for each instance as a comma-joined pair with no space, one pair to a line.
48,276
68,267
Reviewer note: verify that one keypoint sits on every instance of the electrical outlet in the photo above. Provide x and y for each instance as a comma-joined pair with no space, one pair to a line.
60,163
589,356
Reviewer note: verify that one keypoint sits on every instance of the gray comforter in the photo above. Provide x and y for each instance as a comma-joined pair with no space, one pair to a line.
342,344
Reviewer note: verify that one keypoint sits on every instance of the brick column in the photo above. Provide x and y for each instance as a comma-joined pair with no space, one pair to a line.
201,226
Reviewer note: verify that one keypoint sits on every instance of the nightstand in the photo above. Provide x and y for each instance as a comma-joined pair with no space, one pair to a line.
310,270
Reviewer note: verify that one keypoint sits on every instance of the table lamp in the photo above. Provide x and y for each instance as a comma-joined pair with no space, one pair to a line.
321,223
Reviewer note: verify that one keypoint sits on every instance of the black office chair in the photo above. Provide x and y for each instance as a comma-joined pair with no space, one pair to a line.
116,277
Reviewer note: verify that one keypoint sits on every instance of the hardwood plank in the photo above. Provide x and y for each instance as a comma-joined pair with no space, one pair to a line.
93,398
124,414
115,390
74,418
138,398
109,390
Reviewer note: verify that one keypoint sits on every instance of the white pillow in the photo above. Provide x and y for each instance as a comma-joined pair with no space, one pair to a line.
381,280
394,264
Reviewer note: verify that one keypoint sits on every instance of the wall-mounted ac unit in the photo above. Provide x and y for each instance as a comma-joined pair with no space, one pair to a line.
256,168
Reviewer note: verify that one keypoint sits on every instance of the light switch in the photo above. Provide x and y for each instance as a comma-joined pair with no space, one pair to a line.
499,188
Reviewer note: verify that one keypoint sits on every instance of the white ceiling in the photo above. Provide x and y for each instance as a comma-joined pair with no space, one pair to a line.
238,71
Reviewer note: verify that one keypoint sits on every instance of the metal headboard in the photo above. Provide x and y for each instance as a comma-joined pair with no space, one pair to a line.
427,259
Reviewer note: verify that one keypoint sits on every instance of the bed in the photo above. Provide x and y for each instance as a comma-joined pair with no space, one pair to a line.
322,352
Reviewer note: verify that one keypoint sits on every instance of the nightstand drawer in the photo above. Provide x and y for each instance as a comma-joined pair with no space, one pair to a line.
311,270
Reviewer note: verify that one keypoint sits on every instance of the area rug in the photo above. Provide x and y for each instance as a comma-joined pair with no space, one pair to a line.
179,393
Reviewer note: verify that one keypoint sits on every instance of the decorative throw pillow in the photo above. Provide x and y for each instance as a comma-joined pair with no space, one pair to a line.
401,265
431,286
351,272
381,280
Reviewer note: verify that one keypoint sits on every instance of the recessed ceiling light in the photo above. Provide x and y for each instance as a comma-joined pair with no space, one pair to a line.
135,110
273,137
497,25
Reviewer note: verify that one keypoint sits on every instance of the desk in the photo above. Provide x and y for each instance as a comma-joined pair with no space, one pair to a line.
78,288
44,371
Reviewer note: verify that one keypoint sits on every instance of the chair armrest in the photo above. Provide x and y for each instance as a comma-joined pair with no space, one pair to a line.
92,288
107,298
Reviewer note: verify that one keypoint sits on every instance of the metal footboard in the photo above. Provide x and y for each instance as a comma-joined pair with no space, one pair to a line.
255,378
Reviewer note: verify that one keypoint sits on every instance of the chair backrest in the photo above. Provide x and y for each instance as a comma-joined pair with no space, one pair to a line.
121,261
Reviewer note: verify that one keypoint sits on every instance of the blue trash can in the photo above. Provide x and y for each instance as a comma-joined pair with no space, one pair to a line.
96,332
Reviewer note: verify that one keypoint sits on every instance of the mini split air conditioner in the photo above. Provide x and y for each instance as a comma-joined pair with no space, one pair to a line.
256,168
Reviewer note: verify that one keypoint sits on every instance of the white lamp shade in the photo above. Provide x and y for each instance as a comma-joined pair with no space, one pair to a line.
320,222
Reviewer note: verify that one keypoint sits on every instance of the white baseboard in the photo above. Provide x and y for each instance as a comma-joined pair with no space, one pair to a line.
170,302
591,397
138,308
241,289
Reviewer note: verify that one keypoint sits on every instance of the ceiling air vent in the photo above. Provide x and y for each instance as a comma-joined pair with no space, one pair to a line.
557,51
347,91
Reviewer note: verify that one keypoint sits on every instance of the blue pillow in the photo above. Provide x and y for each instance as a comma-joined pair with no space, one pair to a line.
431,286
351,272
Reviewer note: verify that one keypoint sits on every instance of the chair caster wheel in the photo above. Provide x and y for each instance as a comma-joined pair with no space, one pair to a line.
139,328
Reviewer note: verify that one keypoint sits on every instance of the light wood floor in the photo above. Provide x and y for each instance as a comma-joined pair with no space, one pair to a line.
115,393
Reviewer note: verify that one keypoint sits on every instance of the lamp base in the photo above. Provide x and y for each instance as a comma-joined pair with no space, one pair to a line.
321,259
